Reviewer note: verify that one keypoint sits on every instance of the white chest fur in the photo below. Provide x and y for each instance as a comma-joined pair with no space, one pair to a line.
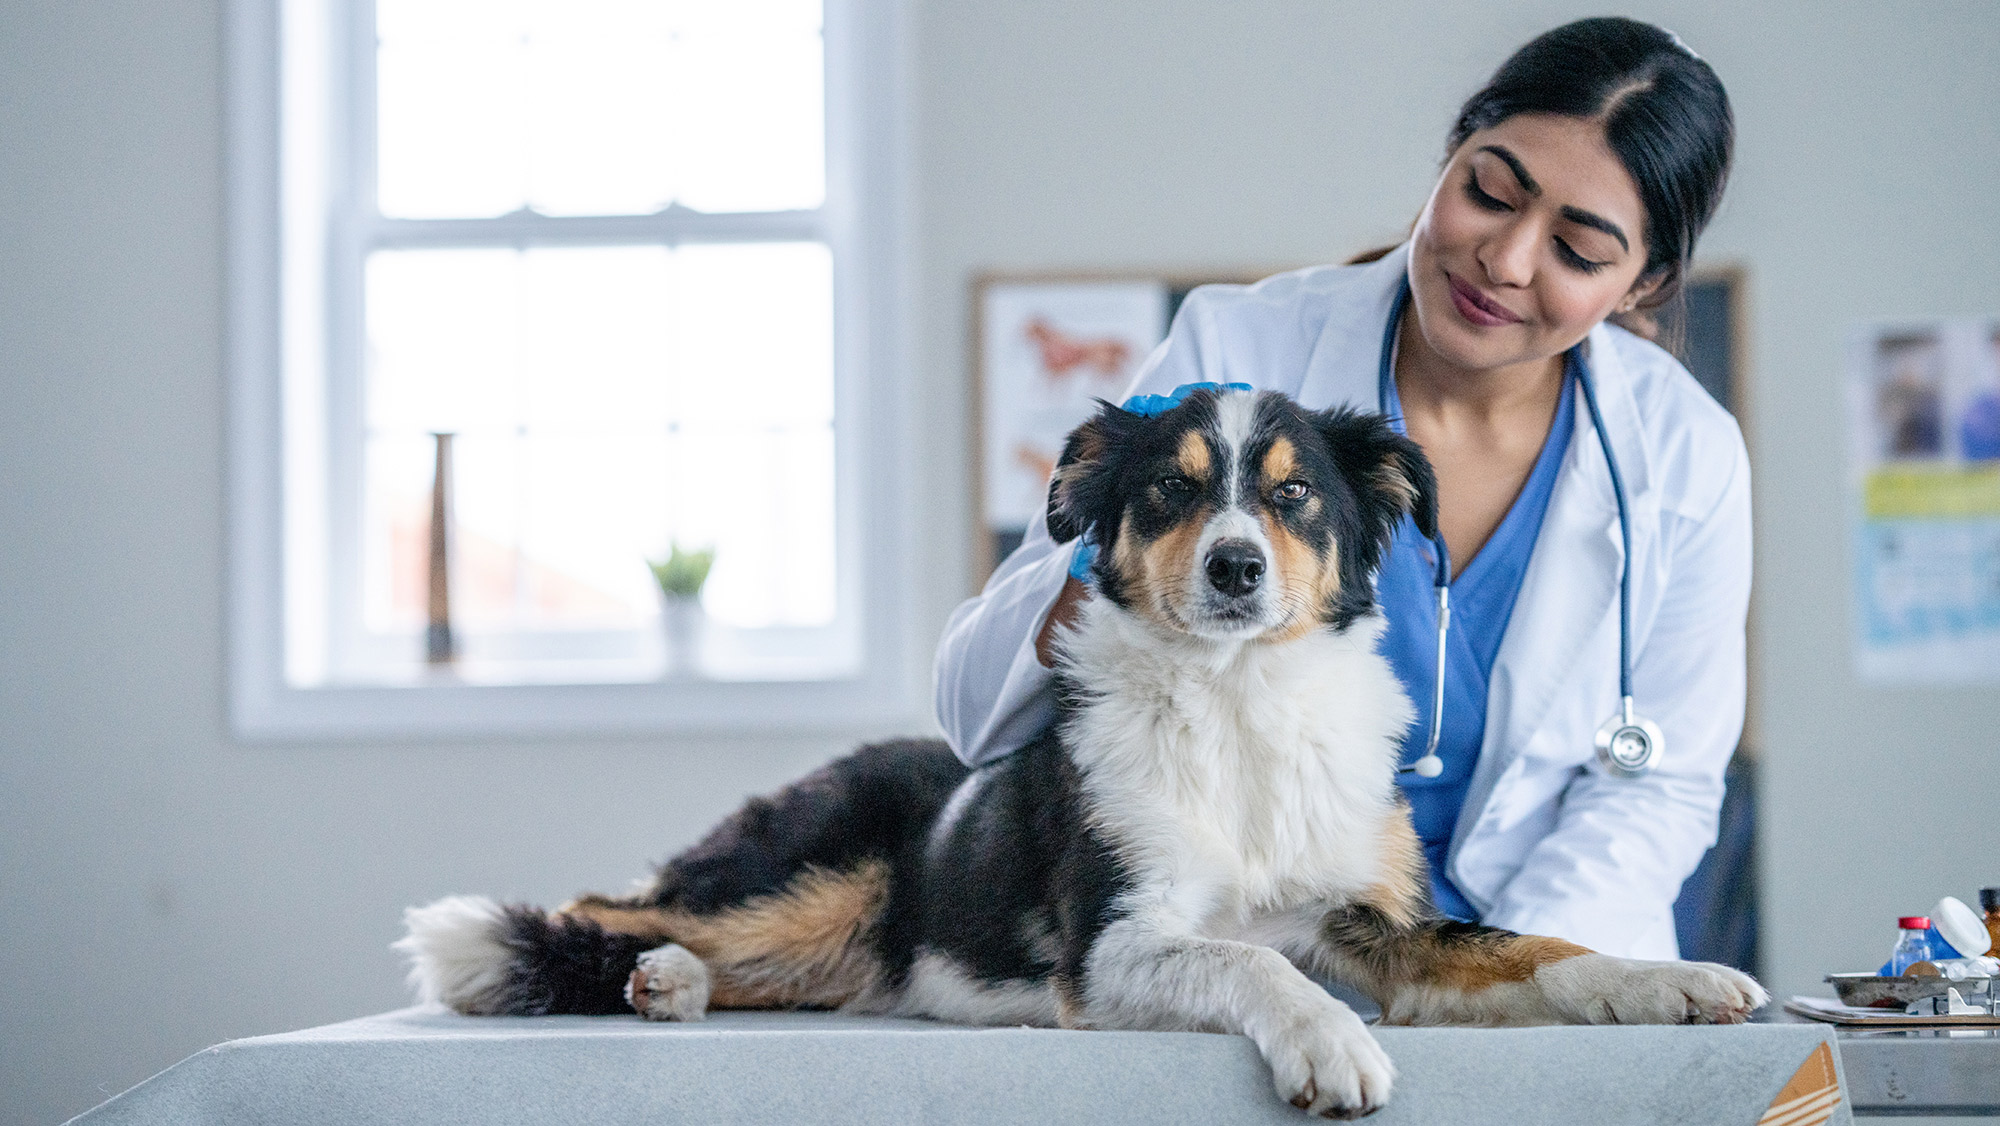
1236,779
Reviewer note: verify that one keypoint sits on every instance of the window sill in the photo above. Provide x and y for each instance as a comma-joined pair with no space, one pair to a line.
269,712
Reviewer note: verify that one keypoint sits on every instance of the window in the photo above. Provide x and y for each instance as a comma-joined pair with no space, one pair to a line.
621,251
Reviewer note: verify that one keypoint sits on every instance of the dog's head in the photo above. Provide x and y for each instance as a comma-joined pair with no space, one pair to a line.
1239,515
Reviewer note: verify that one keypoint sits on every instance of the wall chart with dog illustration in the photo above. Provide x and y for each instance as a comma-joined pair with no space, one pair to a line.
1049,346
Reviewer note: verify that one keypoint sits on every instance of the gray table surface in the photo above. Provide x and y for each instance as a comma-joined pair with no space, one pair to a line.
423,1066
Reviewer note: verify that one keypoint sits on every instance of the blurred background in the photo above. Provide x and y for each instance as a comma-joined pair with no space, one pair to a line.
565,253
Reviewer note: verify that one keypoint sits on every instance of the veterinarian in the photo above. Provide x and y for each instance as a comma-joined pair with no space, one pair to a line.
1575,184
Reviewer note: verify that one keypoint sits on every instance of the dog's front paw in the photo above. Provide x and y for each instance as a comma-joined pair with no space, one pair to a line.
1599,989
1325,1062
669,983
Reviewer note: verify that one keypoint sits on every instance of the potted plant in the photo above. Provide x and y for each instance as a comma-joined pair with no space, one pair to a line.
681,576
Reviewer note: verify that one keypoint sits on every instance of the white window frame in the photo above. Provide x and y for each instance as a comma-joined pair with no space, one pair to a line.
270,374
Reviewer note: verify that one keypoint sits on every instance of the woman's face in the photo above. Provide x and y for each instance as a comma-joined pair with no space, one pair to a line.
1533,235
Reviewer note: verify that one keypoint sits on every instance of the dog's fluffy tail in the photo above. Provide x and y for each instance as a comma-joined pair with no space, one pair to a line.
482,958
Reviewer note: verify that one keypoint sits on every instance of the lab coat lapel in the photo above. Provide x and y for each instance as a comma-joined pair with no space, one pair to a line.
1564,630
1345,359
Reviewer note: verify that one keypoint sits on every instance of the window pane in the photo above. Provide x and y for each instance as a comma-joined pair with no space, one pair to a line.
597,133
764,499
443,351
757,347
597,346
750,103
450,99
608,401
593,509
587,107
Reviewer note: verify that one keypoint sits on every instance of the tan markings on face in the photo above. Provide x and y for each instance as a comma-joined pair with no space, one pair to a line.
1280,462
1156,574
1308,577
1168,566
1308,573
1193,456
803,945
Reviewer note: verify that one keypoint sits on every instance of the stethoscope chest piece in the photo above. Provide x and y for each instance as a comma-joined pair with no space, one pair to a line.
1628,746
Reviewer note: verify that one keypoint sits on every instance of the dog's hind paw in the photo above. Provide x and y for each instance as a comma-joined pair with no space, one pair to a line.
1599,989
669,983
1326,1063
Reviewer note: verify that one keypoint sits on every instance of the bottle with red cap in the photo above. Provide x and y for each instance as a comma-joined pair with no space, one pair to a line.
1912,946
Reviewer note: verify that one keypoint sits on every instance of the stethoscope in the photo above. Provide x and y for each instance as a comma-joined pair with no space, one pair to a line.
1627,745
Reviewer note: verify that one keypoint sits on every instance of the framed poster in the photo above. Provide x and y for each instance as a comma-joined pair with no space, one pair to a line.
1048,347
1924,477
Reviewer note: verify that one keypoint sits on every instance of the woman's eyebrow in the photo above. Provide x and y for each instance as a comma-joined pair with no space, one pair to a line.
1520,170
1573,214
1596,221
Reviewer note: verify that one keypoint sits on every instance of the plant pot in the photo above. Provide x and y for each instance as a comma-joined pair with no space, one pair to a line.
685,624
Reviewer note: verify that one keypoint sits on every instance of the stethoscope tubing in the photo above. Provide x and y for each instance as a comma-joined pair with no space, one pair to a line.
1588,385
1430,766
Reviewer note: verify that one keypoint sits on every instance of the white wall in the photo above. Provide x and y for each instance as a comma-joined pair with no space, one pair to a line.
163,887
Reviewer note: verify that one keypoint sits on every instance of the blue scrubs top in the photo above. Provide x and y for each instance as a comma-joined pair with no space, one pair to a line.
1482,599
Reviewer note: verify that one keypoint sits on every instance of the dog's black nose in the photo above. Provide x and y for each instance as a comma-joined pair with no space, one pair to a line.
1235,567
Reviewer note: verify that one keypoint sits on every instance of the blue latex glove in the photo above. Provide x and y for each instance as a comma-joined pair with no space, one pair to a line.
1079,563
1145,406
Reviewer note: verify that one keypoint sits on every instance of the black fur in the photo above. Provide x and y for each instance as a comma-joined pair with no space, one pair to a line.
1014,862
1017,863
564,965
1116,471
876,804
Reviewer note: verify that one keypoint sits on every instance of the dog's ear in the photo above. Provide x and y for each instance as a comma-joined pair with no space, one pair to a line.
1073,487
1389,472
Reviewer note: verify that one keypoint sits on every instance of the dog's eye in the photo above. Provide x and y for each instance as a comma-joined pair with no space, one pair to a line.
1291,490
1175,486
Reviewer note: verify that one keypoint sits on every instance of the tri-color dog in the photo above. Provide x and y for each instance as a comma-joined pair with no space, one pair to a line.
1214,818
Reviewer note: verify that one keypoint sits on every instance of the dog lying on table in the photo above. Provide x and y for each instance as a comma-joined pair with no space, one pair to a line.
1214,818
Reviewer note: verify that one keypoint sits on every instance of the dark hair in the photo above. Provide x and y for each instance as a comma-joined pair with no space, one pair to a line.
1665,115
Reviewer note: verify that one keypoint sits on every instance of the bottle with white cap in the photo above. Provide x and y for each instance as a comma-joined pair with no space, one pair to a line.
1954,922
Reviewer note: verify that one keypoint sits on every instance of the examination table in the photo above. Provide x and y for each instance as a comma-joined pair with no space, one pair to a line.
425,1065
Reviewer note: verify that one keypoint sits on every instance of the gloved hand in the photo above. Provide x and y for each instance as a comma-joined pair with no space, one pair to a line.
1085,555
1145,406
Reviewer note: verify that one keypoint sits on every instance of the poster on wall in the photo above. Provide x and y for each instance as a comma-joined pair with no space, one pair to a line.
1049,346
1048,351
1924,397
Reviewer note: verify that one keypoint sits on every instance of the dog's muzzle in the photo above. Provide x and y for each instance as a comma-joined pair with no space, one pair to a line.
1234,567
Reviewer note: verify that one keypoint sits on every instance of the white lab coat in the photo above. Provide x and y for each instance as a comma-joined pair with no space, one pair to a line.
1547,843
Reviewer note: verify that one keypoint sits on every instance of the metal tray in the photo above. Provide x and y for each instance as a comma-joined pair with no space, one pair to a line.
1869,991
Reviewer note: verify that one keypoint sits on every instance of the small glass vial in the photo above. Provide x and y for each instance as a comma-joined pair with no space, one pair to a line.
1989,902
1913,946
